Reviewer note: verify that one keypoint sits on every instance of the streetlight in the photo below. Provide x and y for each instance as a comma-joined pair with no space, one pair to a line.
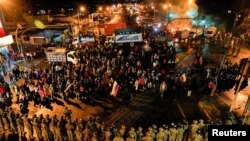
20,46
100,9
18,27
153,8
237,16
82,9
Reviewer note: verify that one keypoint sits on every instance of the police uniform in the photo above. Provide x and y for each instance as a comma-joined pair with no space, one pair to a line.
52,125
139,133
108,135
160,136
122,131
194,127
179,133
131,133
172,132
69,128
79,131
147,137
118,138
86,134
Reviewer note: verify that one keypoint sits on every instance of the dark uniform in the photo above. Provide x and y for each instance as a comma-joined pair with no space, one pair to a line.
79,131
69,128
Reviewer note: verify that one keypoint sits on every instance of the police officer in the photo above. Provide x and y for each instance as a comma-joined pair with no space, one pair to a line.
179,132
160,136
69,128
166,131
131,137
194,127
198,136
107,134
139,133
150,131
172,132
132,133
201,127
118,138
94,137
147,137
79,131
122,130
52,125
86,133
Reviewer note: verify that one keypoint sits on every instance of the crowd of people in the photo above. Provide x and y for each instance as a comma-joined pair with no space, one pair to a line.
133,69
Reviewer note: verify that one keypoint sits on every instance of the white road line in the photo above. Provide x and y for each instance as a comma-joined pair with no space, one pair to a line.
182,113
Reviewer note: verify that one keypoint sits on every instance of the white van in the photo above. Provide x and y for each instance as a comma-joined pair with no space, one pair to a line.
194,32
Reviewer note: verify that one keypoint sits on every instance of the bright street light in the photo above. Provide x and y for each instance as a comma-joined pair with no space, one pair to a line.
165,6
100,8
82,9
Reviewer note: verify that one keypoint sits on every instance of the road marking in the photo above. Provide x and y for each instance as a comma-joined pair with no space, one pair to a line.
182,113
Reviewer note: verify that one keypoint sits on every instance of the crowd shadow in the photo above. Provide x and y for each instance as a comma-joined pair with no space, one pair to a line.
72,103
58,102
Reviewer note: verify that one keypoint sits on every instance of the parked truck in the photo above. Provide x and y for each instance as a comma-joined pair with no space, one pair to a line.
55,54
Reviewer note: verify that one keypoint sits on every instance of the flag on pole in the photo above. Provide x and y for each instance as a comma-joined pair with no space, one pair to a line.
115,89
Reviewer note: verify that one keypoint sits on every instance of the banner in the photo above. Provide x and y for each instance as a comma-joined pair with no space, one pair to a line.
128,38
115,89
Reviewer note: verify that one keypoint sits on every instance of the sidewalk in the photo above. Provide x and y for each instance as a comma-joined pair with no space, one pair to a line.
221,103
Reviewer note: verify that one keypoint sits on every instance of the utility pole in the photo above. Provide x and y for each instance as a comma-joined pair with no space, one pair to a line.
241,80
216,78
245,113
